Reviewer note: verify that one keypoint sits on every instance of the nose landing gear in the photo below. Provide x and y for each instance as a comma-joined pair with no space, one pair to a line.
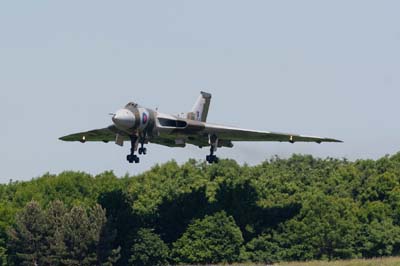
142,149
132,157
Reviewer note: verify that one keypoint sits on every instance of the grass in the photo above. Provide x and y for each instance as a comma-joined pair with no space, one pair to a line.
388,261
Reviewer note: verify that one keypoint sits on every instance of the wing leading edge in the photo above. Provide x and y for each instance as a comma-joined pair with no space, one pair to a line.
104,134
238,134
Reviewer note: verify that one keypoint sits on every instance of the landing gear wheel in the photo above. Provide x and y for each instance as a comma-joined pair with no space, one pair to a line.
212,159
142,151
129,158
132,158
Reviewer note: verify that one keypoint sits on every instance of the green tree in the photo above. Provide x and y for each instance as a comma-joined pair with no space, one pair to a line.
262,249
378,235
82,235
325,228
60,237
3,253
27,238
214,239
56,249
148,249
298,208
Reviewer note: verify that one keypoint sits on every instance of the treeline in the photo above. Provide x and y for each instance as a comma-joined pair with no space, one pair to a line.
300,208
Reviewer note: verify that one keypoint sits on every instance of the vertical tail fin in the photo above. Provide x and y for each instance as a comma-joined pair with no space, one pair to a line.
200,109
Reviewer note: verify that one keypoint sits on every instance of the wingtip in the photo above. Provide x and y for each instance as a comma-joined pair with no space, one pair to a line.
64,138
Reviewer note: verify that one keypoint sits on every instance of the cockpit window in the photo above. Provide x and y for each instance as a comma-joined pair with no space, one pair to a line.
132,104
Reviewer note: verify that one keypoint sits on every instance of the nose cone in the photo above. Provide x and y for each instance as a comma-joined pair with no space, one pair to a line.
124,119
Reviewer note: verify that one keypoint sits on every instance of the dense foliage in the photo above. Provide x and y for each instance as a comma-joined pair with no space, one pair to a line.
148,249
59,237
213,239
299,208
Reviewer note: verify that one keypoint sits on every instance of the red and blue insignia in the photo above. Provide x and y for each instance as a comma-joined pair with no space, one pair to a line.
144,118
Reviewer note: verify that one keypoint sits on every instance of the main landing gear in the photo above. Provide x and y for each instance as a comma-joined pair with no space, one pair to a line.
132,158
213,140
212,158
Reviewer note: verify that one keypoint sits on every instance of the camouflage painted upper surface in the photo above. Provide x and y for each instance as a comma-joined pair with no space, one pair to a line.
176,131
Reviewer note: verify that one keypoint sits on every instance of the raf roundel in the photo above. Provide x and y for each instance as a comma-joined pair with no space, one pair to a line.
144,118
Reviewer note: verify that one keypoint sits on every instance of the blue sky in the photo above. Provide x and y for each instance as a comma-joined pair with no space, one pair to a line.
308,67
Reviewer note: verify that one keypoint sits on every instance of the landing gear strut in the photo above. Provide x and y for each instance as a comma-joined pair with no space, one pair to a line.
132,157
142,149
212,158
213,140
